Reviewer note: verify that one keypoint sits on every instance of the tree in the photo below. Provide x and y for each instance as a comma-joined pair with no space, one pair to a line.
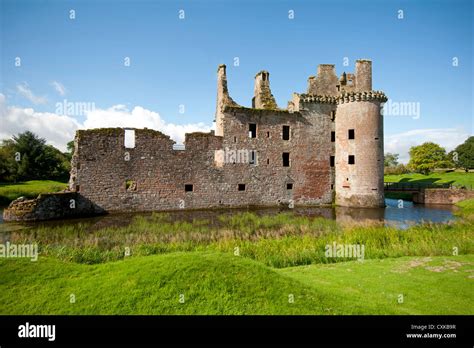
390,159
27,157
70,150
8,166
426,157
463,155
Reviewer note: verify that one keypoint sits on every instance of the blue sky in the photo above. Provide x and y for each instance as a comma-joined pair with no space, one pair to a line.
174,61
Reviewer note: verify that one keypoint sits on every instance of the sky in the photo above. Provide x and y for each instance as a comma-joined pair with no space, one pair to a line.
67,65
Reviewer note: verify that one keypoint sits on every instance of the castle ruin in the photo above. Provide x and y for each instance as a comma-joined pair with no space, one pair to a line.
325,147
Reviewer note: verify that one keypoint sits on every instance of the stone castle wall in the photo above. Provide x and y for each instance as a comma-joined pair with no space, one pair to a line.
153,176
259,156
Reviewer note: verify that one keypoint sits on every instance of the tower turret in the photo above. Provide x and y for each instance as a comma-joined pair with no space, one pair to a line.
263,97
223,99
359,143
363,72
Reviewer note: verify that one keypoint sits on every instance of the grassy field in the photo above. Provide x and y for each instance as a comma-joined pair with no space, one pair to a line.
28,189
454,178
218,283
242,264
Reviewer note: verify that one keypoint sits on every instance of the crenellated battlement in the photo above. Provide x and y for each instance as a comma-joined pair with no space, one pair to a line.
323,99
362,96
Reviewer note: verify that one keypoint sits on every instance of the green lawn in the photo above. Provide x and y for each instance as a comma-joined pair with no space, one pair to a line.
29,189
455,178
429,285
280,258
220,283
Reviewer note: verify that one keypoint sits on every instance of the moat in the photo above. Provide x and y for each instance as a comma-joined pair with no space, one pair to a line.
392,215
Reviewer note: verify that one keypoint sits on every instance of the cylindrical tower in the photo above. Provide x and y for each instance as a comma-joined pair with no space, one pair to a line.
359,149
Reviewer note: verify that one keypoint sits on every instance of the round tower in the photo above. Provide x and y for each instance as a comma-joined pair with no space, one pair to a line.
359,143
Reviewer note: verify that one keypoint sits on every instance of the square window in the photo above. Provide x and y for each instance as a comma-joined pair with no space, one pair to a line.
252,130
286,159
188,188
351,159
351,134
241,187
289,186
286,132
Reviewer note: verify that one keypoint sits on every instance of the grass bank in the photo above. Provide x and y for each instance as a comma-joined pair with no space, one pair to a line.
467,209
215,283
245,264
454,178
282,240
28,189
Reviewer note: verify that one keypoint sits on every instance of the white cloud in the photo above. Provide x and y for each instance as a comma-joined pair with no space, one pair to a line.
26,92
60,129
400,143
59,87
139,117
57,129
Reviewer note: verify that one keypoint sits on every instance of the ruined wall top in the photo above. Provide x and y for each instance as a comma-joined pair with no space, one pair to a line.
263,97
327,83
223,97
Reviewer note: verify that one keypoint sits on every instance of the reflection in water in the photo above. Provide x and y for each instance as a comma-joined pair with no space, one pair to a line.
394,214
408,213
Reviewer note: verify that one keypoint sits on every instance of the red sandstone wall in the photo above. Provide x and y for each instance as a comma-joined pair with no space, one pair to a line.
446,196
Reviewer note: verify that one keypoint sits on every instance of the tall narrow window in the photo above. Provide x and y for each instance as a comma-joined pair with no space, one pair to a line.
286,159
253,157
333,137
129,141
351,159
286,132
333,115
351,134
252,130
331,161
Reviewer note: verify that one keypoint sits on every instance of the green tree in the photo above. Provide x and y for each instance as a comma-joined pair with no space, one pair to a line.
463,155
426,157
8,166
27,157
70,150
390,159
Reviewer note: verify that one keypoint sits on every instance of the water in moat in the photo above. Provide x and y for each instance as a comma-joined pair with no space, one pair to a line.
394,214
